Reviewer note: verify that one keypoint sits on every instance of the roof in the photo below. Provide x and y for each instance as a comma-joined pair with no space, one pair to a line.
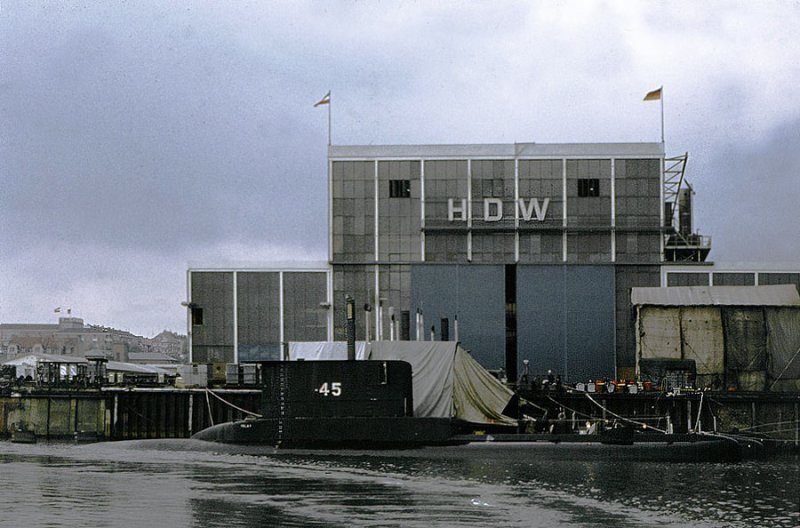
150,357
46,358
775,295
118,366
275,266
29,327
504,150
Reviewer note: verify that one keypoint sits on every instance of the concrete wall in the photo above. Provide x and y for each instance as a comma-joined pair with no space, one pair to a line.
54,416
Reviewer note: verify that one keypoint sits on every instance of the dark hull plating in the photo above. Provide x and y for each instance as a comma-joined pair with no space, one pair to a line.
337,432
646,448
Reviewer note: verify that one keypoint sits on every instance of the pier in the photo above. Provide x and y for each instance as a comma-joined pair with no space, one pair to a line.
114,413
121,413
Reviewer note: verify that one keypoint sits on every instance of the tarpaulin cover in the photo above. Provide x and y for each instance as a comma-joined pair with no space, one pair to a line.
783,343
659,333
323,350
755,380
447,381
745,339
701,328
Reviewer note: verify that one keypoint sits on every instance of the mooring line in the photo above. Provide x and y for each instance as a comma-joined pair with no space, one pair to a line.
622,417
245,411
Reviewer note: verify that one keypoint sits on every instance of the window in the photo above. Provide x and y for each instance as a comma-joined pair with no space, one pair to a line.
197,316
588,187
399,188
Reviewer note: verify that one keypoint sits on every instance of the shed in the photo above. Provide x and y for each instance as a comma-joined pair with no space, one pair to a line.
747,337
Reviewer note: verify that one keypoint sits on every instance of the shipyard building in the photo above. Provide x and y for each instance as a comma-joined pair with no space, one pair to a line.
525,253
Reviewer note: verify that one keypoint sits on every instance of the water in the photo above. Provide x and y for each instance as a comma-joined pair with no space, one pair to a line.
185,483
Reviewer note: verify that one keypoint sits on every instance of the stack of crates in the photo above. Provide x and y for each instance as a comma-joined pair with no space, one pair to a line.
232,374
241,374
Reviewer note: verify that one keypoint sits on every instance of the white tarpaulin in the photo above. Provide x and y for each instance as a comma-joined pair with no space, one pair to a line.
447,382
659,332
322,350
703,339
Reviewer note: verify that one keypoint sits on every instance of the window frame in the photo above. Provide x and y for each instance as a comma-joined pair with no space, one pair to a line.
399,188
588,187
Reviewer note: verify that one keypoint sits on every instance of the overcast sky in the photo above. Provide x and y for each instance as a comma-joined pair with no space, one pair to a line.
136,137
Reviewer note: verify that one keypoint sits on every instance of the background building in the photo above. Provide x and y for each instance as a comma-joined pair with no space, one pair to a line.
71,337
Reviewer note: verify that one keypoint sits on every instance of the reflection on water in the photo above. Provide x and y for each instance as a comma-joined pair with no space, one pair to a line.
188,483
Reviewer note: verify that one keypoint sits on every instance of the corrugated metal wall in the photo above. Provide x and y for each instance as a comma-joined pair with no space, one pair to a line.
476,293
212,341
565,320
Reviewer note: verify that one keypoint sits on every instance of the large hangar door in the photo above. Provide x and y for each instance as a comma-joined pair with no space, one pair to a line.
566,320
476,294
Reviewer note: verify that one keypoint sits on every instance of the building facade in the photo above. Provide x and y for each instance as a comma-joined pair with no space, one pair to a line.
522,252
528,250
241,313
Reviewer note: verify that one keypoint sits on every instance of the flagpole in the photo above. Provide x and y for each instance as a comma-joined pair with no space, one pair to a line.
330,103
662,115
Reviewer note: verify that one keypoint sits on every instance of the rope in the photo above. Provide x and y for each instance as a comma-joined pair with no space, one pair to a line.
699,410
784,369
759,426
208,403
229,404
578,413
622,417
523,400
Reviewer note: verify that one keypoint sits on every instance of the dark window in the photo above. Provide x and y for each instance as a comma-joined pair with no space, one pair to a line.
399,188
588,187
197,315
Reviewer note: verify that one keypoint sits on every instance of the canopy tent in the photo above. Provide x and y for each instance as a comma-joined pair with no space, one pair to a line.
447,381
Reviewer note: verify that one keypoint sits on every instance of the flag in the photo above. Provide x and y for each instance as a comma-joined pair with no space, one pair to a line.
57,310
324,100
655,95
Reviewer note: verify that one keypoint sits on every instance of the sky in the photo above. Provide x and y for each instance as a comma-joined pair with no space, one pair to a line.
139,137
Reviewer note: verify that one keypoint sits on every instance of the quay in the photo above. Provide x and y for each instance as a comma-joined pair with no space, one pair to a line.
112,413
132,413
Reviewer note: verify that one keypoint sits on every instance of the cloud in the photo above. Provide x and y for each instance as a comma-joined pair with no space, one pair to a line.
131,289
754,196
138,137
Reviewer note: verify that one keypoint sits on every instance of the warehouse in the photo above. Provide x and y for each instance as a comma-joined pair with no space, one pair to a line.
522,252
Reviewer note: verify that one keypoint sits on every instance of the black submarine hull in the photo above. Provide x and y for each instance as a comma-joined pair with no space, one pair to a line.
337,432
336,404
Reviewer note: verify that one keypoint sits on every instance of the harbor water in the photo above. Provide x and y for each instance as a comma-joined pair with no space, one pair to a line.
187,483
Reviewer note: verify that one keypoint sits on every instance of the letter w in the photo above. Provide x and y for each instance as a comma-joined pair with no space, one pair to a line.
527,211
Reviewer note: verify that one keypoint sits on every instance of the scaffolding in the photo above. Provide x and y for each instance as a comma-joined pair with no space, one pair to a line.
680,243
